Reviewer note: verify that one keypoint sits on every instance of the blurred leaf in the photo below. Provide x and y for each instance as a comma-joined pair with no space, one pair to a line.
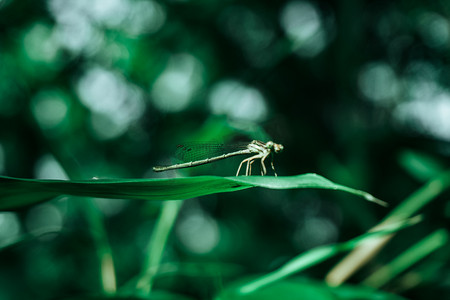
282,290
419,165
409,257
16,193
305,289
421,197
349,292
407,208
319,254
157,244
200,269
154,296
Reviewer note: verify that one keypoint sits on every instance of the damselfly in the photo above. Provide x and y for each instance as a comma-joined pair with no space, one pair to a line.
258,150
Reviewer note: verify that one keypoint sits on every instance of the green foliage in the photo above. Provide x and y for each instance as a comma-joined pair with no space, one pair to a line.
17,193
306,289
315,256
95,93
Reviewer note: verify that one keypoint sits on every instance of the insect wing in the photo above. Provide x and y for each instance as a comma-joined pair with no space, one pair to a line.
198,151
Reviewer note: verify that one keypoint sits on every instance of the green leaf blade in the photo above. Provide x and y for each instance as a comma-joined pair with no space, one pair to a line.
16,193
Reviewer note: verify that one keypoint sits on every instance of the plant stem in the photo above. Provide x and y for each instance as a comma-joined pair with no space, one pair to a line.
103,249
92,214
157,244
410,206
318,255
409,257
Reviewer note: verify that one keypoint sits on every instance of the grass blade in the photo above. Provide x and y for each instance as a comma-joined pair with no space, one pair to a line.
410,206
156,246
405,260
319,254
16,193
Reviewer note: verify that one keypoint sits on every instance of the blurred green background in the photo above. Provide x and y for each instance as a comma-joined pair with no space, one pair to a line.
356,91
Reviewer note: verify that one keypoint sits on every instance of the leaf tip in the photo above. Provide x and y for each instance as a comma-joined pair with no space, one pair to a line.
371,198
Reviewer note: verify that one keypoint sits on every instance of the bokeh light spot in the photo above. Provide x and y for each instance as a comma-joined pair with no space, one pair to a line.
74,28
109,13
115,103
427,116
237,101
198,232
79,22
3,3
378,83
175,87
315,231
104,127
434,29
250,31
421,81
44,218
101,90
48,168
304,27
9,227
111,207
144,17
50,108
39,43
76,34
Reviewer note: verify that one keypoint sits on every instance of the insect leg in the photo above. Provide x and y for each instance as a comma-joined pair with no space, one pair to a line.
249,161
273,168
263,166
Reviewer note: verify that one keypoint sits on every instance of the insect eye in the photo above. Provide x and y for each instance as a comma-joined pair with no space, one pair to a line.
278,148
